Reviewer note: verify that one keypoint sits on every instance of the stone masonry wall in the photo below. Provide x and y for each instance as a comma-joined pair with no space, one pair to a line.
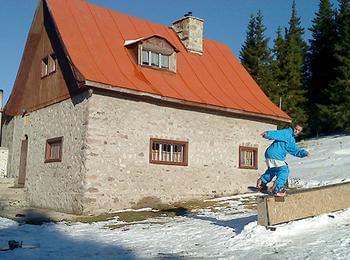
118,172
55,185
3,162
7,141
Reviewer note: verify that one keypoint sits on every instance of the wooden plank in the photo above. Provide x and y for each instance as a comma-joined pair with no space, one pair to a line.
303,204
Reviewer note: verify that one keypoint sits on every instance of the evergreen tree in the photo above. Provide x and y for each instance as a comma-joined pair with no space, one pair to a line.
278,68
294,101
321,64
248,52
338,113
255,54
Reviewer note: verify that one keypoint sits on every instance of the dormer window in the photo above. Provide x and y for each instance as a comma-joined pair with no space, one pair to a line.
151,58
155,52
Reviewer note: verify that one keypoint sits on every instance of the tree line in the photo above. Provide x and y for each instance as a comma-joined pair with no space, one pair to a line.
309,80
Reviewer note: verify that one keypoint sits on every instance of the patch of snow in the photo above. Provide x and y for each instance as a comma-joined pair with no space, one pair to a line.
329,163
343,152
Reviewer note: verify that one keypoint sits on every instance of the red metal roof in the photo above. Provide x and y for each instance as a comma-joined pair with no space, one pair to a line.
94,38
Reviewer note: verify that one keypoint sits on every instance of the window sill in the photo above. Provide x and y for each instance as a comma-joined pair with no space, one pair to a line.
157,68
170,163
47,75
248,168
52,160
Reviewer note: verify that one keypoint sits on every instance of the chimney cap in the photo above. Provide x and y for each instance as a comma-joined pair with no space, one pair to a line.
186,16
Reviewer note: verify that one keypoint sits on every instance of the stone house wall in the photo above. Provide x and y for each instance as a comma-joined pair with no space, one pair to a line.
105,163
7,141
3,162
118,172
56,185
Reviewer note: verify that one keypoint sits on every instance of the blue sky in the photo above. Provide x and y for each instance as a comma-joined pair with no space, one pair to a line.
224,20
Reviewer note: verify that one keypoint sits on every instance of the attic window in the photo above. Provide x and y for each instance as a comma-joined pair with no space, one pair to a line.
44,67
154,59
48,65
154,52
52,63
165,61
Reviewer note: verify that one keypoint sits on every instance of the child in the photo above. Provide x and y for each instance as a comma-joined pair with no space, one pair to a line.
275,155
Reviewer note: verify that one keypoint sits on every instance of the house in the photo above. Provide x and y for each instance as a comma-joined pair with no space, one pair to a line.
108,111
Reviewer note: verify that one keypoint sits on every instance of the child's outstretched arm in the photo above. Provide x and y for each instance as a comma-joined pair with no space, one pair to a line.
294,150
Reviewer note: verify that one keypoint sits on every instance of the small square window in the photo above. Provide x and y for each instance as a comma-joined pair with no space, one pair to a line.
168,152
44,67
53,151
248,157
52,63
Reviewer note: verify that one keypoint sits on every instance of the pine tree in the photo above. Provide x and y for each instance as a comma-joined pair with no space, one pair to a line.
278,68
248,55
294,101
338,113
321,64
255,54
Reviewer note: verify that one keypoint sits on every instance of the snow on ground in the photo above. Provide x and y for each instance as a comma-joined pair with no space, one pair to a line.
329,163
229,231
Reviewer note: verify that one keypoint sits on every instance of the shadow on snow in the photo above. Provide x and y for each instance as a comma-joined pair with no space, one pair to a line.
56,243
236,224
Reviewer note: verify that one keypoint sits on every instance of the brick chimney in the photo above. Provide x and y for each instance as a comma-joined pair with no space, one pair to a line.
190,31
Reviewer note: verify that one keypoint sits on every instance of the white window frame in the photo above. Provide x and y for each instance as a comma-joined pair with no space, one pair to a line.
159,55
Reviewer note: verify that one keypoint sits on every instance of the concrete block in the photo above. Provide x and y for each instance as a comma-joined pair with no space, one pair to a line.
303,204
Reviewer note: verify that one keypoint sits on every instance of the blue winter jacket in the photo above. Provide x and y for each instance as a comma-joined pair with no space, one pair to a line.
284,142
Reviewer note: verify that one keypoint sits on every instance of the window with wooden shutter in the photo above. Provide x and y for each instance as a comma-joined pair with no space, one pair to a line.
248,157
52,63
44,67
53,152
